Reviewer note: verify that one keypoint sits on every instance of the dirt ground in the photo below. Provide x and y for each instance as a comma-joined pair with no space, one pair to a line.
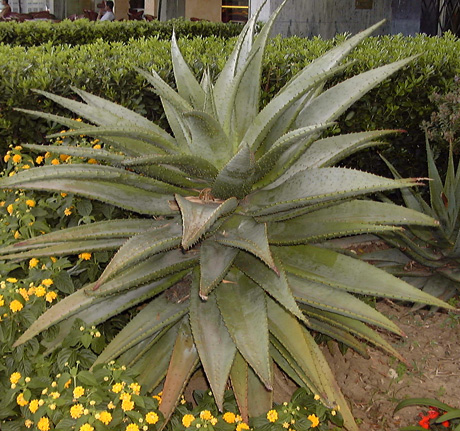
374,386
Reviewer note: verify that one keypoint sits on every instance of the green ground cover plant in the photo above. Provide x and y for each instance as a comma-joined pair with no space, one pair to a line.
82,31
222,236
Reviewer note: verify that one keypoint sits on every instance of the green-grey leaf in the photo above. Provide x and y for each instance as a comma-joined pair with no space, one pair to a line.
212,340
319,185
184,360
275,285
161,312
215,261
208,140
153,268
198,216
245,233
243,308
344,272
142,246
236,178
187,85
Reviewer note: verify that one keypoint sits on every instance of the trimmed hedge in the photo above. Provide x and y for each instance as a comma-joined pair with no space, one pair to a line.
107,69
82,31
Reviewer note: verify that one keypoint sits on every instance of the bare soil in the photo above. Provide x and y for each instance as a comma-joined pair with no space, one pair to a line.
374,386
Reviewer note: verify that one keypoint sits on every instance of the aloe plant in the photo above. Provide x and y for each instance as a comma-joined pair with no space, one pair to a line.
227,255
428,257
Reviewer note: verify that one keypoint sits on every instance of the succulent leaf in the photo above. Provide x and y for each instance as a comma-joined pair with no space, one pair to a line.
212,340
151,269
236,177
344,272
215,261
184,360
243,308
142,326
159,354
187,85
142,246
239,379
193,165
198,216
275,285
316,185
246,234
208,140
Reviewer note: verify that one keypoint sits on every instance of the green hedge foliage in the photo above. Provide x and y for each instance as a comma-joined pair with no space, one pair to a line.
108,69
82,31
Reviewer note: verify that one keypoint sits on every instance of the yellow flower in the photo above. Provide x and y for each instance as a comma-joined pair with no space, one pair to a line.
55,395
97,147
21,400
85,256
63,194
67,383
135,387
55,162
111,405
68,211
28,423
76,411
2,301
18,147
6,157
314,420
25,166
206,415
30,202
50,296
286,425
117,387
272,415
124,396
47,282
33,262
12,280
17,235
43,424
23,292
86,427
63,157
151,418
78,119
105,417
317,397
213,421
242,426
15,377
39,160
53,259
78,392
187,420
229,417
127,406
33,406
40,291
17,158
132,427
92,161
16,306
10,209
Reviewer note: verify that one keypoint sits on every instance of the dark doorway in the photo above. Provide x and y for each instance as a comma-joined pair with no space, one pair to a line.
439,16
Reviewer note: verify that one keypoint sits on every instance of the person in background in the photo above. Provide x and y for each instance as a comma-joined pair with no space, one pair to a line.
6,11
106,14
